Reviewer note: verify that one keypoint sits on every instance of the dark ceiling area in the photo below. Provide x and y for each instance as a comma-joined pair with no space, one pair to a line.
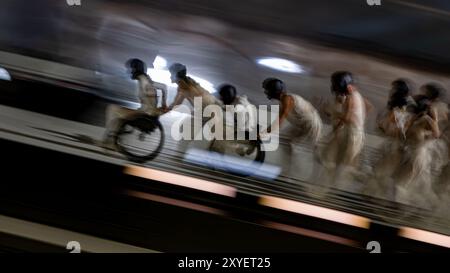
413,32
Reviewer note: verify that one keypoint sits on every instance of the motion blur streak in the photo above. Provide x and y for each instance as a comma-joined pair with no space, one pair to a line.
425,236
311,233
315,211
281,65
174,202
232,164
422,7
181,180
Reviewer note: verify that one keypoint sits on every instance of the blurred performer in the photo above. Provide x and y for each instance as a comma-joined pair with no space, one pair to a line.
348,135
304,119
348,118
394,119
424,151
436,93
439,109
442,185
393,124
243,118
228,96
148,97
188,88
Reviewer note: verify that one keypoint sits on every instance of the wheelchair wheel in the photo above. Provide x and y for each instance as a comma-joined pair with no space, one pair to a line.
243,157
140,138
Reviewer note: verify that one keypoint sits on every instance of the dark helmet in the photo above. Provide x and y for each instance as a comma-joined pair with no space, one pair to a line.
433,91
227,93
273,87
340,81
400,88
136,67
399,94
177,71
422,104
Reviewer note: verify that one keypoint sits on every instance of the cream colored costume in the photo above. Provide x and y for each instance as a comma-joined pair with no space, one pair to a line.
423,154
347,141
148,97
305,120
394,126
303,125
243,109
189,89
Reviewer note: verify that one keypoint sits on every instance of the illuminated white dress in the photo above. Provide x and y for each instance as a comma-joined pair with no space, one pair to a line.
298,135
306,121
423,156
148,97
442,187
346,142
394,126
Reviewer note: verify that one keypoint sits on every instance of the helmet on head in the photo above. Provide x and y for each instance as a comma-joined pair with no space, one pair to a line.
433,91
422,104
273,87
177,71
136,67
227,93
400,88
399,94
340,81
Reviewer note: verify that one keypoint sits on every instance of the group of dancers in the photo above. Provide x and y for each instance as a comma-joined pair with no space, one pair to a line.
414,164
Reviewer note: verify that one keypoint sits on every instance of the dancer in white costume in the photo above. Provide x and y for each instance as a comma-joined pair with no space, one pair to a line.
440,111
424,151
442,187
340,155
242,119
348,131
435,93
393,123
148,97
189,89
228,96
304,120
300,113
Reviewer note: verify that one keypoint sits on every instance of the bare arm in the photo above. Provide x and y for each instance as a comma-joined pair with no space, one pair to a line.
410,122
178,99
369,106
384,121
349,106
434,126
163,89
287,104
144,88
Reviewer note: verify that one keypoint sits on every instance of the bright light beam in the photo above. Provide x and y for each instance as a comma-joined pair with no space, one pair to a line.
281,65
159,63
